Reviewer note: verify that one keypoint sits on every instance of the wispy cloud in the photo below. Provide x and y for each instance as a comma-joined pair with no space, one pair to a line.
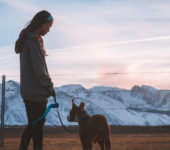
112,43
105,36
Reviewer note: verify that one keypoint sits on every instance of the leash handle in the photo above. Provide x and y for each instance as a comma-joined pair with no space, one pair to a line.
55,105
45,114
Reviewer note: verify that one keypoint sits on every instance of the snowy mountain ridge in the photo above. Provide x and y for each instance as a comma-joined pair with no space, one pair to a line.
142,105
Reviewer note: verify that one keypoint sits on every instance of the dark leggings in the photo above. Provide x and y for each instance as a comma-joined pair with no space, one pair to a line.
34,111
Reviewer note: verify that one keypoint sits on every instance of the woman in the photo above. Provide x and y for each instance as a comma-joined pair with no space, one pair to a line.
35,83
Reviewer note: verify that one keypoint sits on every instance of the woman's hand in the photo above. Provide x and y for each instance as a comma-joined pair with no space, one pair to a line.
51,91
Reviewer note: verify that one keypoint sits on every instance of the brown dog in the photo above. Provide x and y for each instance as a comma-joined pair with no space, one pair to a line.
92,129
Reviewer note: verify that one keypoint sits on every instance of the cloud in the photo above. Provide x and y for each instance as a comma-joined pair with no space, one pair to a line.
108,22
22,5
9,63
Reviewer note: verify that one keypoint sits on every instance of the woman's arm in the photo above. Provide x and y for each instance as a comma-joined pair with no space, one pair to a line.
38,63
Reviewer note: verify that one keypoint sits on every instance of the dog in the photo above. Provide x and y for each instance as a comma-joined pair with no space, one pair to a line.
92,129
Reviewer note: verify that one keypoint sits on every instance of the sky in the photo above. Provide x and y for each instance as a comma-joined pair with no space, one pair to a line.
118,43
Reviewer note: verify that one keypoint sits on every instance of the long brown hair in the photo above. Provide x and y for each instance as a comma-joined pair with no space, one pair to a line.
38,20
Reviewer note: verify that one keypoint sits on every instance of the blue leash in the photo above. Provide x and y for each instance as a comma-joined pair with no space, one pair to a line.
56,105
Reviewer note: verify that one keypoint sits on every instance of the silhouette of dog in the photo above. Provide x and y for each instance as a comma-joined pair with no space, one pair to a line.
92,129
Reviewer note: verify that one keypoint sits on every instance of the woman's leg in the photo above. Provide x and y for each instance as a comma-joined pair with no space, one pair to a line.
27,134
37,129
34,111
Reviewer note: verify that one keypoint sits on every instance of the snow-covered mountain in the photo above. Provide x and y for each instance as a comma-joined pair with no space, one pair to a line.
143,105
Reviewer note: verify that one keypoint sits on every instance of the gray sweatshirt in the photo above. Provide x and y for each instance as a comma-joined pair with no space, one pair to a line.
35,81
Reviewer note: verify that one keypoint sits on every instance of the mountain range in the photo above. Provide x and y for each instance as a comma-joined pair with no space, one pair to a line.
141,105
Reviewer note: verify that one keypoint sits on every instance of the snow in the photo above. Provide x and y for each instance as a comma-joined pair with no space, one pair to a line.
142,106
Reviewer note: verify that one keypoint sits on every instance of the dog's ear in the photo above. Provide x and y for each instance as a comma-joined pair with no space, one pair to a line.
73,103
82,105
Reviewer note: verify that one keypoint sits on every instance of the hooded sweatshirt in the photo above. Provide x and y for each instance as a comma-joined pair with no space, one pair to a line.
35,81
